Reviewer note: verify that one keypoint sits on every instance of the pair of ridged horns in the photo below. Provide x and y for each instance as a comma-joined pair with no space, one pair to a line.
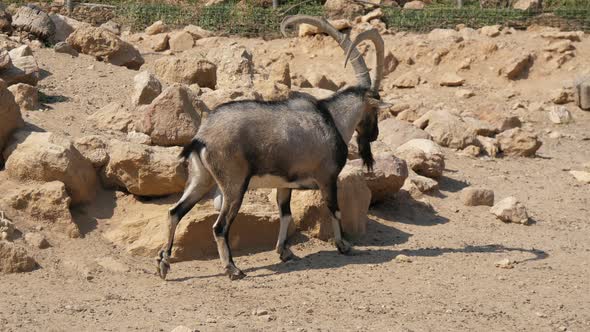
349,47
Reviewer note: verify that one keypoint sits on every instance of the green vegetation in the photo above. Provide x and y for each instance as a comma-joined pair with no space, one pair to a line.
249,18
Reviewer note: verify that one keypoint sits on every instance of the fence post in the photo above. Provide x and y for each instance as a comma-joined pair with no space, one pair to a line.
460,3
275,3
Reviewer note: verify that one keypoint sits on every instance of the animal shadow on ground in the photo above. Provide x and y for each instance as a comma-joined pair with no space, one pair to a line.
103,208
332,259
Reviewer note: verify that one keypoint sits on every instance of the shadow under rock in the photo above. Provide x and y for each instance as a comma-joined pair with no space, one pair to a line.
103,207
405,209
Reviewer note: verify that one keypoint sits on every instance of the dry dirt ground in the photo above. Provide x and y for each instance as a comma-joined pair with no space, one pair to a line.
451,283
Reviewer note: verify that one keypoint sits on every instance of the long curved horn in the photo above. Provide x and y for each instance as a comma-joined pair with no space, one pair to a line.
358,63
372,35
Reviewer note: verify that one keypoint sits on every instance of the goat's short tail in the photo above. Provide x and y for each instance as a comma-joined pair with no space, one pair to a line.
195,145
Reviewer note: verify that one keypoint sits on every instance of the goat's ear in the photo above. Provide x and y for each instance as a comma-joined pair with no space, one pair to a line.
376,103
384,105
373,102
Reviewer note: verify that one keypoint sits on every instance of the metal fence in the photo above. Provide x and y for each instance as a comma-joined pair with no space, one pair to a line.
249,18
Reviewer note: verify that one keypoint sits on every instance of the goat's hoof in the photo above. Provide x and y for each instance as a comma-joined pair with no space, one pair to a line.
163,266
344,247
234,273
287,255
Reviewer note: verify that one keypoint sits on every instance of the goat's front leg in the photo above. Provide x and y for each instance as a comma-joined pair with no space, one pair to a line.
284,203
330,195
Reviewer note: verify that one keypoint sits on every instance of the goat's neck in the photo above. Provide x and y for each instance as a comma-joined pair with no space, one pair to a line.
347,113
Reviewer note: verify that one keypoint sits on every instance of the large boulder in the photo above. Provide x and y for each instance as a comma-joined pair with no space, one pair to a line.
24,69
517,142
113,116
15,259
10,116
187,70
446,129
34,21
395,133
181,41
387,177
144,170
423,156
47,203
26,96
354,197
171,118
255,228
64,26
105,46
49,157
146,88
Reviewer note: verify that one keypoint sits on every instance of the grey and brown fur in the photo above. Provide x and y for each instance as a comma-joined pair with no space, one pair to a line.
298,143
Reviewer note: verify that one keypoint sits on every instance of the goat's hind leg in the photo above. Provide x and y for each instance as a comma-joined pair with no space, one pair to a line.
284,203
199,184
232,201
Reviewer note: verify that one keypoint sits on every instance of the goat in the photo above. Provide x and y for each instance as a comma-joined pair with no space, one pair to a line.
297,143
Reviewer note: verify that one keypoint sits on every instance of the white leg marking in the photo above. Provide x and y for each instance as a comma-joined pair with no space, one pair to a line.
283,228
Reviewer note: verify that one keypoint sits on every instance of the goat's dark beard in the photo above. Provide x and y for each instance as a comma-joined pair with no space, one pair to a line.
365,152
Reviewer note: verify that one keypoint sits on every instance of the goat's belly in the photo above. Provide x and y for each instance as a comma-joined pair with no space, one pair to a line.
272,181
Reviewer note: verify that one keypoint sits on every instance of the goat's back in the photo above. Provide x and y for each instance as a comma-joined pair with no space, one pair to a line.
292,138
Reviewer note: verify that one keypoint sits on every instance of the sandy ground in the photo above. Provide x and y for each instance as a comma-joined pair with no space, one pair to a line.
451,283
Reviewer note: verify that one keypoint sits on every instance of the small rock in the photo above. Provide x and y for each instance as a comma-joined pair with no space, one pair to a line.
423,184
26,96
147,88
451,79
510,210
156,28
560,115
477,196
505,263
6,228
517,142
182,328
63,47
560,97
464,94
491,31
259,312
401,258
516,67
414,5
407,80
15,259
471,151
581,176
36,240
